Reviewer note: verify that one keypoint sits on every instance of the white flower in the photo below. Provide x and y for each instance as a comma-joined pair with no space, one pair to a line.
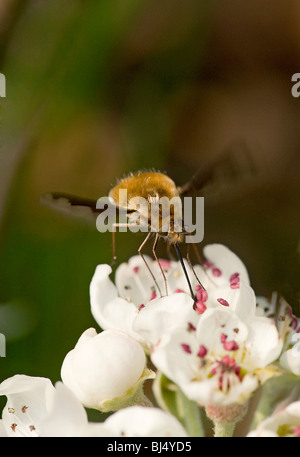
283,423
290,357
106,371
225,276
224,266
162,316
134,305
28,403
139,421
221,361
165,315
267,307
118,306
36,408
288,326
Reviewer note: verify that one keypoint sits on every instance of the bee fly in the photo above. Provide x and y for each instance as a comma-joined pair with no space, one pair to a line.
135,194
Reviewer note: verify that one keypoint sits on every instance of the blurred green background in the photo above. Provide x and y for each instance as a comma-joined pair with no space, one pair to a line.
96,89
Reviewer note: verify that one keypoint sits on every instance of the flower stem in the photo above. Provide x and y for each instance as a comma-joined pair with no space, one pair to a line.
191,415
225,417
223,429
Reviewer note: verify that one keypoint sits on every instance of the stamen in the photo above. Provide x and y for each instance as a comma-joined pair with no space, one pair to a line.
202,351
166,264
234,277
153,295
235,281
230,345
223,302
207,264
296,432
186,348
200,307
223,338
13,426
191,327
216,272
294,322
201,294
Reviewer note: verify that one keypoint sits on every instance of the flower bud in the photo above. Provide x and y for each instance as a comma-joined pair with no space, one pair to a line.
106,371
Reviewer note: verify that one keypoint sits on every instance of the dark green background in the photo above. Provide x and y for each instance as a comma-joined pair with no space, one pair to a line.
96,89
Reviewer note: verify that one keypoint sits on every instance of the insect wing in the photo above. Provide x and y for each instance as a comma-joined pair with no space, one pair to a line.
79,207
219,176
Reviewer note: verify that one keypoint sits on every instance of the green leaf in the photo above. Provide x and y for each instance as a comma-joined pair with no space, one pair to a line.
171,399
274,391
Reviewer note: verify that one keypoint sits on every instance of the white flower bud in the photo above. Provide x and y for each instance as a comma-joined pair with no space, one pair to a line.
106,370
141,421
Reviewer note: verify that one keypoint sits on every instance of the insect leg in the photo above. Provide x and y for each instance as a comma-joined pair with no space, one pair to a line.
157,260
140,253
201,262
169,252
191,265
114,257
114,225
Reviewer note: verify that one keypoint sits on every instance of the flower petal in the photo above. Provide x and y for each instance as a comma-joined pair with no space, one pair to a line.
241,300
163,315
170,357
67,416
263,344
218,321
226,261
290,360
142,421
109,310
103,366
134,281
28,400
2,429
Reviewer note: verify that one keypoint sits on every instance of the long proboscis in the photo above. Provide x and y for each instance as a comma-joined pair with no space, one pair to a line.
177,249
